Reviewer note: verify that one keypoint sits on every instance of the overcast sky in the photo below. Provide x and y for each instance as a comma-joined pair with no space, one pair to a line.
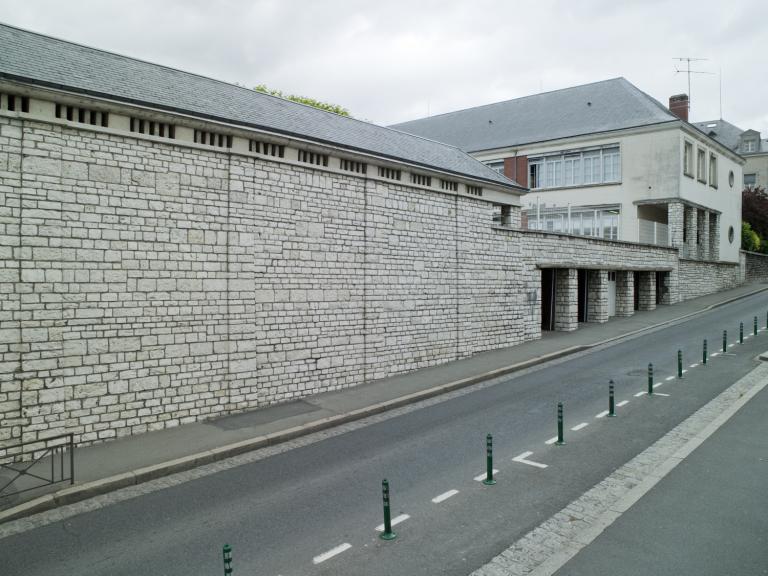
396,60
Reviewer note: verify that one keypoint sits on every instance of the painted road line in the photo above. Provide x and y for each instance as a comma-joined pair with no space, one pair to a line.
484,475
622,403
396,520
640,394
602,414
693,365
523,459
714,354
580,426
684,371
658,384
668,378
551,440
331,553
660,394
444,496
731,345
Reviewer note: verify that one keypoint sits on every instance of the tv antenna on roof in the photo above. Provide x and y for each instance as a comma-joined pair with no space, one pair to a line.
688,71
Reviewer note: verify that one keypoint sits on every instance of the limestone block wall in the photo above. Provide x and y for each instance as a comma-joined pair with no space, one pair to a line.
756,266
700,278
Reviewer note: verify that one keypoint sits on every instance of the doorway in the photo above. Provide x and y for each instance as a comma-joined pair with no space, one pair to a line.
548,299
583,296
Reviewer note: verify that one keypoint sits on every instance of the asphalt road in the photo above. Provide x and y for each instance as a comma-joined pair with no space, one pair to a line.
286,513
707,517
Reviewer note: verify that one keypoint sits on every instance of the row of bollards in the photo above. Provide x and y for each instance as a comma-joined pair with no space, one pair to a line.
389,534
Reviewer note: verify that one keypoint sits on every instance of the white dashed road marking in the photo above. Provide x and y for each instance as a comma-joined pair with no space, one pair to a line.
396,520
658,384
714,354
668,378
580,426
684,371
622,403
444,496
602,414
523,459
640,394
331,553
660,394
693,365
551,440
484,475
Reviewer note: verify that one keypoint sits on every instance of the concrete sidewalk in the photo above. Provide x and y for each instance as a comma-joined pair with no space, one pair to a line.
116,464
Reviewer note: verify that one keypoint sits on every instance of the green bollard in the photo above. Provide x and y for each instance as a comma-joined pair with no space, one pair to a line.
725,340
704,354
741,332
754,327
489,481
679,364
611,401
650,379
560,437
227,559
387,534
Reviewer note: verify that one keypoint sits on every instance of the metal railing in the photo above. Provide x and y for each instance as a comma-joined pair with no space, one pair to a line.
653,232
51,464
591,221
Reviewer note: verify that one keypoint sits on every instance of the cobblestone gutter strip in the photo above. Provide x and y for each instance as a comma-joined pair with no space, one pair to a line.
546,548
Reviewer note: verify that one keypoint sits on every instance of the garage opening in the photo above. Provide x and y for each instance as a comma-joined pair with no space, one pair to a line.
583,295
637,291
548,299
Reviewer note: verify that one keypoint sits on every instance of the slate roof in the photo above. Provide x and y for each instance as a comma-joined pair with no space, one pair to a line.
591,108
49,62
729,135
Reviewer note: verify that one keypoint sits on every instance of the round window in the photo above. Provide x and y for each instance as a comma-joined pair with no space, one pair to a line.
730,234
730,178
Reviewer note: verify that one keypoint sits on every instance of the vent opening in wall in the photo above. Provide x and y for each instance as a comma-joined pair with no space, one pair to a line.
82,115
161,129
421,179
353,166
450,185
266,148
213,139
390,173
313,158
474,190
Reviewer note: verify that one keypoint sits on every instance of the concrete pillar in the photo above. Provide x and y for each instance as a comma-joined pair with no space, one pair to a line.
625,293
647,290
676,223
714,236
691,235
704,235
666,292
566,300
597,296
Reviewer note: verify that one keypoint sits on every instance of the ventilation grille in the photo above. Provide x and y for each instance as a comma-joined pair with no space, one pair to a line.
421,180
266,148
161,129
213,139
82,115
451,185
390,173
313,158
474,190
352,166
14,103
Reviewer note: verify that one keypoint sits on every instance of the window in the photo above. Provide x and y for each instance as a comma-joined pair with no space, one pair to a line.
82,115
688,159
750,180
313,158
450,185
266,148
421,179
497,165
150,127
353,166
534,173
750,146
611,165
601,166
389,173
701,165
213,139
474,190
713,170
14,103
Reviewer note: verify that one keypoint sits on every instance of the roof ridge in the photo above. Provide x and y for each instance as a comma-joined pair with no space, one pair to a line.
615,78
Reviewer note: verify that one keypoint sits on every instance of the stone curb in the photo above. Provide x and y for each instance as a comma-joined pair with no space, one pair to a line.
105,485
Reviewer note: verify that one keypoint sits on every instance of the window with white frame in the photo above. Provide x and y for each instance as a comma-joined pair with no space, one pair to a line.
497,165
599,166
688,159
701,164
750,146
713,170
750,180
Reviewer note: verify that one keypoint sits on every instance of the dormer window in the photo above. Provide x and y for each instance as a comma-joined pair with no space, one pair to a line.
750,146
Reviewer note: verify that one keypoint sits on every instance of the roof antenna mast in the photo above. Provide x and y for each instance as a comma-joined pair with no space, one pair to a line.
688,71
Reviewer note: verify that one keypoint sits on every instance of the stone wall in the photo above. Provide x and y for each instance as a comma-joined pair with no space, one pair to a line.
698,278
755,266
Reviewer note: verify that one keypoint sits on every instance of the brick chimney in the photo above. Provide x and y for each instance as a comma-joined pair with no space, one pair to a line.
678,105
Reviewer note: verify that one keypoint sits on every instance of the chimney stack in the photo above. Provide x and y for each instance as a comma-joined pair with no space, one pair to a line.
678,105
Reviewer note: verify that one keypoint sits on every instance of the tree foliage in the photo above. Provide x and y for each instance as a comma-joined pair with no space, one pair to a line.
328,107
754,214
